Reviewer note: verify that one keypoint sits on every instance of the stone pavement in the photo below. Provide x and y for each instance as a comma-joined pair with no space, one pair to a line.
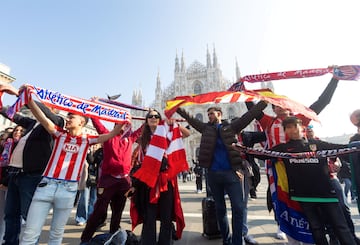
261,224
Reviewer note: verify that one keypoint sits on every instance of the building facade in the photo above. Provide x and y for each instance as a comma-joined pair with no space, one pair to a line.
5,78
197,78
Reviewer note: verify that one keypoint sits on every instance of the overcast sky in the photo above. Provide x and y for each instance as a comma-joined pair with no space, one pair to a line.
90,48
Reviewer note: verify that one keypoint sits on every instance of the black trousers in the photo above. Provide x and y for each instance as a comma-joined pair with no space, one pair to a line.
319,213
199,183
163,210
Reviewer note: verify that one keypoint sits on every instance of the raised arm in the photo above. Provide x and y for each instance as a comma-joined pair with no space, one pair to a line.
195,123
325,97
116,130
25,122
40,116
184,131
56,119
241,123
249,105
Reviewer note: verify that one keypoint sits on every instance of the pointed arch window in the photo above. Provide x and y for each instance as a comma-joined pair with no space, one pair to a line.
231,113
199,116
197,87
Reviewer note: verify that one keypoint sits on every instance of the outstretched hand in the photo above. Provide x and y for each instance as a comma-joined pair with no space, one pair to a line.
169,121
22,88
9,89
238,147
130,192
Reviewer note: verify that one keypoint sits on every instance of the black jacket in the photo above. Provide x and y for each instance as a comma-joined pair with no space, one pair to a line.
228,133
308,177
38,146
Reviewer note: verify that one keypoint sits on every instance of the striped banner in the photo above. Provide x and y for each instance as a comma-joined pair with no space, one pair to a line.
288,155
347,72
71,104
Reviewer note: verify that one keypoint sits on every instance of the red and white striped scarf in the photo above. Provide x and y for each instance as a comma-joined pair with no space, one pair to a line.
22,100
166,140
71,104
347,72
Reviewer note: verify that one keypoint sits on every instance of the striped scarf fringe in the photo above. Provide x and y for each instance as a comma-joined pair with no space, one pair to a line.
165,141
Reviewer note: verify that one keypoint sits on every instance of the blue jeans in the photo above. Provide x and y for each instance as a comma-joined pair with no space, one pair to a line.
222,182
20,191
245,230
50,193
348,188
86,203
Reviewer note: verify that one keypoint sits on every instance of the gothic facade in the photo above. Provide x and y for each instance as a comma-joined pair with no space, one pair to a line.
197,78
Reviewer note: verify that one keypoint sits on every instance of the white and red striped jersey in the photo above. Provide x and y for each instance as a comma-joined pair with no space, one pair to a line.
68,155
274,130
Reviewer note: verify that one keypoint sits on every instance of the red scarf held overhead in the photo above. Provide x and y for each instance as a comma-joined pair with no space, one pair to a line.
71,104
347,72
165,140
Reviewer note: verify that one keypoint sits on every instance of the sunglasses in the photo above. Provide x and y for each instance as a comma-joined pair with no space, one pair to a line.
153,116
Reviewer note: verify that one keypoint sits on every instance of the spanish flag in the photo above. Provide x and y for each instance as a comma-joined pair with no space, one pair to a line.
239,96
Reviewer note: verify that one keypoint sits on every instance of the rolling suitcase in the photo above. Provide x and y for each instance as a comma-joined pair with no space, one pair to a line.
210,225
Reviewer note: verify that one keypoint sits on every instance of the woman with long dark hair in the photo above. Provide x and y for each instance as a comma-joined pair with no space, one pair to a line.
162,201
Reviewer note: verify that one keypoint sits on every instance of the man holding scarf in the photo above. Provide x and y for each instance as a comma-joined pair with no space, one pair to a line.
224,164
26,167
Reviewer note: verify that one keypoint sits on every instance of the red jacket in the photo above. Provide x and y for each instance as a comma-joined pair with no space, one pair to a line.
117,151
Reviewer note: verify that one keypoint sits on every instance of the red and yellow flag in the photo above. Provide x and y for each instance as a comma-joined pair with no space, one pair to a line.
239,96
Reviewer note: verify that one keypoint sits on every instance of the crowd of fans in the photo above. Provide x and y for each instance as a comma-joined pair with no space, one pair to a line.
49,163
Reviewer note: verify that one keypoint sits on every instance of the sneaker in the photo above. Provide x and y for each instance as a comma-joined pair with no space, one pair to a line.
253,194
199,191
280,235
250,240
80,223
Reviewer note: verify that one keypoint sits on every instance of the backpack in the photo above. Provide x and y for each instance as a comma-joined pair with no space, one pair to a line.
121,237
131,238
118,238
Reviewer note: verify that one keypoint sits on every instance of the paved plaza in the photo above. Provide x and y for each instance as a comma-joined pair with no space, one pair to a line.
261,223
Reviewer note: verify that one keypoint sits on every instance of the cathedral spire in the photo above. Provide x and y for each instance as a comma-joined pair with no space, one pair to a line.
158,92
177,69
215,62
208,58
158,82
237,70
182,62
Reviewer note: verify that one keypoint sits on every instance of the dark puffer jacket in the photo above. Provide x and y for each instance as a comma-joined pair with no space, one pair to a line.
227,133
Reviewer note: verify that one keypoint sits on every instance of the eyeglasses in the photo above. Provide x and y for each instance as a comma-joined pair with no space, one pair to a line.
153,116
